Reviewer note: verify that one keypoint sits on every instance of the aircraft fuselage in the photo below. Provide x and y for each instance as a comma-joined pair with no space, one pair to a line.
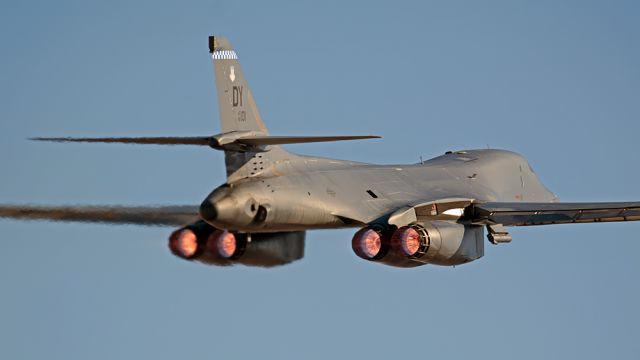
303,192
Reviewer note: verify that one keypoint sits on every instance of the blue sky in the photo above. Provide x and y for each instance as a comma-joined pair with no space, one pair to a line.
558,82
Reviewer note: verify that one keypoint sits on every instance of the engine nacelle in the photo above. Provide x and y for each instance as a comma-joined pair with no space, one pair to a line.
189,242
439,242
436,242
226,245
373,243
204,243
369,243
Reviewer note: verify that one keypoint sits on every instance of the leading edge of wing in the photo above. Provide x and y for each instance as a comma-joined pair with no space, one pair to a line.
525,214
139,215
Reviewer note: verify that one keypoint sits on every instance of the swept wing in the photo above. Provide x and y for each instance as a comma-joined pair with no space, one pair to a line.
526,214
139,215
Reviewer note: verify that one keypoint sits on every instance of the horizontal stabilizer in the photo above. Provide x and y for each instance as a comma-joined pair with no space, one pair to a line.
235,141
133,140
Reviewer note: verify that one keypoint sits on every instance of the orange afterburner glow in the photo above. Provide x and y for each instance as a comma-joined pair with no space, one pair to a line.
223,243
184,243
409,240
367,243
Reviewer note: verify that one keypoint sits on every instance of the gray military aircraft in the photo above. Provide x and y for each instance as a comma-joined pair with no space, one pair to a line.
433,212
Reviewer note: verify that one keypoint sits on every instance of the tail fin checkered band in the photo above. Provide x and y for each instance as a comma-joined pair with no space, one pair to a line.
224,55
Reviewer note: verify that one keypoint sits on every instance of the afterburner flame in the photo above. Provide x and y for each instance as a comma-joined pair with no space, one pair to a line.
223,242
367,243
184,243
409,240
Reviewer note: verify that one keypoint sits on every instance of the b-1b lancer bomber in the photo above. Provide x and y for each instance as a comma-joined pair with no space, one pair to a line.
433,212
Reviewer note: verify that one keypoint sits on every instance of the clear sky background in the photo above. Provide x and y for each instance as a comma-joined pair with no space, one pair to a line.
557,81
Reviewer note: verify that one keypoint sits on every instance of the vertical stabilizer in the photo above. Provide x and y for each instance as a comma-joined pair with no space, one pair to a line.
238,110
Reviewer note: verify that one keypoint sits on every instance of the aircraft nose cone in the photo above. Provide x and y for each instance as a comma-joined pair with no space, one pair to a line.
208,211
